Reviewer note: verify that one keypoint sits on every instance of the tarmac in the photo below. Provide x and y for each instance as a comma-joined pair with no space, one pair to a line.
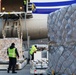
24,71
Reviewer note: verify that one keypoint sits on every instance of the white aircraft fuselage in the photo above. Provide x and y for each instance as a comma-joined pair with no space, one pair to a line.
35,27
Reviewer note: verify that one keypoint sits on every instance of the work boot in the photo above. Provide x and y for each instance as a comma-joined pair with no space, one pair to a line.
14,72
7,71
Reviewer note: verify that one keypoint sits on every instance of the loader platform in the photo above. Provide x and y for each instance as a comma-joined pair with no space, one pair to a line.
4,44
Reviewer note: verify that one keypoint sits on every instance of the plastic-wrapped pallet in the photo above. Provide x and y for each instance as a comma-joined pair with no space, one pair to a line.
62,40
61,25
5,43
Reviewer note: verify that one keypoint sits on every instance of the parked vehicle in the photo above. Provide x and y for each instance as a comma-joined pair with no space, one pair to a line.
40,63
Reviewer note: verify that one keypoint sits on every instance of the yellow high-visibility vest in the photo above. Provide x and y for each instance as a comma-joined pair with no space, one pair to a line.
25,2
11,52
33,49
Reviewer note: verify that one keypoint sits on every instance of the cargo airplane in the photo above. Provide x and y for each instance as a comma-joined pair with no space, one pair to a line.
35,26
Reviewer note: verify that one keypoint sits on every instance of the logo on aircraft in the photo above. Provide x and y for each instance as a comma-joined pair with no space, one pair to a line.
48,6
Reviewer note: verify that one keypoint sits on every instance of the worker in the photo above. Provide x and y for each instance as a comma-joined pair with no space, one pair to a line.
25,4
32,51
13,55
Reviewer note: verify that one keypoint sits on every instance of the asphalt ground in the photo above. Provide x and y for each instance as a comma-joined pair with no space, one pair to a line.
24,71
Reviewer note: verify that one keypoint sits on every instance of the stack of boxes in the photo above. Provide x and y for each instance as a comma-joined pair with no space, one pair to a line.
5,43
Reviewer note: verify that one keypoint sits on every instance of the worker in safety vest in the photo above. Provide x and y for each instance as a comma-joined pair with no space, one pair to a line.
32,51
25,4
12,54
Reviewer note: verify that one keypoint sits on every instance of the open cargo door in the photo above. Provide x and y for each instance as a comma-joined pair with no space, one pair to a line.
12,5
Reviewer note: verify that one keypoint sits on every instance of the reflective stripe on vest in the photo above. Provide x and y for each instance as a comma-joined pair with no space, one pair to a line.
11,53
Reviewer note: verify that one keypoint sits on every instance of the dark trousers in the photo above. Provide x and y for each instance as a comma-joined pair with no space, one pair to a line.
12,64
25,8
32,57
